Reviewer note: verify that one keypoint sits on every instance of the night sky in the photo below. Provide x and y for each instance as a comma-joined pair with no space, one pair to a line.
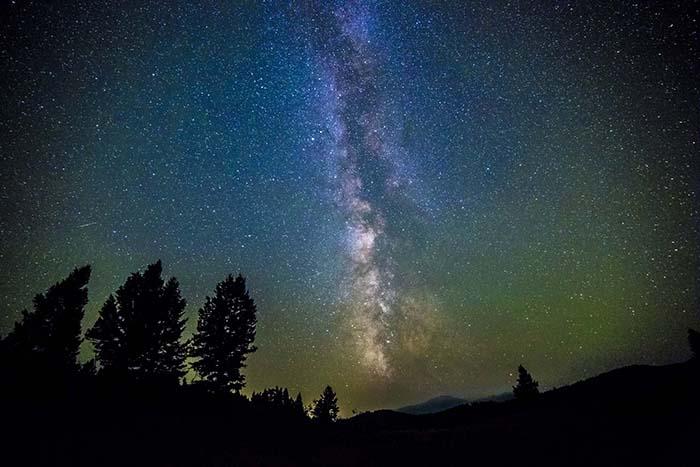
422,195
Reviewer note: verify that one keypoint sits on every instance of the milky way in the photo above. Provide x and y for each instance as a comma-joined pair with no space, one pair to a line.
352,105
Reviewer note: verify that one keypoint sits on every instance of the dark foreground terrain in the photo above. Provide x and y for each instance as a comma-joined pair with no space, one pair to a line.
639,415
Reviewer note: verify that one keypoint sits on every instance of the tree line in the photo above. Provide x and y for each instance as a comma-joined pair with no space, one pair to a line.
138,339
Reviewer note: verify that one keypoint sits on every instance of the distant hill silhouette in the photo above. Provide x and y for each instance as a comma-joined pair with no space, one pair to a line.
445,402
622,387
636,415
436,404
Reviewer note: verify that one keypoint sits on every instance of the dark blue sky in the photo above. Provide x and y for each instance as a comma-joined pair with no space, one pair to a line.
422,194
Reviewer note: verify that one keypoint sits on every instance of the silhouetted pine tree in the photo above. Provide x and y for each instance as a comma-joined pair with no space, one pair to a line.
138,332
527,388
46,342
299,408
694,341
325,409
225,335
108,335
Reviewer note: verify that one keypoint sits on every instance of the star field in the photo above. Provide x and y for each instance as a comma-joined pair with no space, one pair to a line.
422,195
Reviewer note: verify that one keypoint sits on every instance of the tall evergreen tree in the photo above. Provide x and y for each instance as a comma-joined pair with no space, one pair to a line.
138,333
225,335
46,342
109,337
526,388
325,409
299,408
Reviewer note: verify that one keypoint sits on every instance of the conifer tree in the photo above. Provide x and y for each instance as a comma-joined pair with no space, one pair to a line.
46,342
138,331
527,388
299,408
111,351
325,409
225,333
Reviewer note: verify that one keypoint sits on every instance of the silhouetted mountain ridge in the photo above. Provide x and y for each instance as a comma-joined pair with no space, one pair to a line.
436,404
446,402
636,387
